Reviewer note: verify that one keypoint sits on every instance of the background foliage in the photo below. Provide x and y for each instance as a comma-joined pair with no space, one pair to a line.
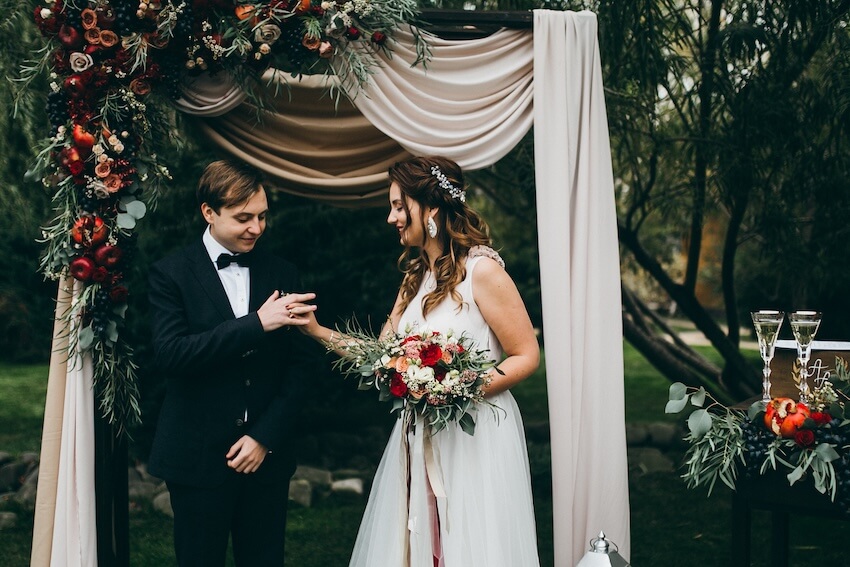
728,123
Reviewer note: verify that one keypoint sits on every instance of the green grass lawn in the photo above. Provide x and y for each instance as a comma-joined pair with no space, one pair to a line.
671,525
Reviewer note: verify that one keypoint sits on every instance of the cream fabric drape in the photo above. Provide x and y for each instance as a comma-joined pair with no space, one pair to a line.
64,529
473,102
580,284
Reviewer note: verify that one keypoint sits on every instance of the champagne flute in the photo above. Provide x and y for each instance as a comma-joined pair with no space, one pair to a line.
805,325
767,324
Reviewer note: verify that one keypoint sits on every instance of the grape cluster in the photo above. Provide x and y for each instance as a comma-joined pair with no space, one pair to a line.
756,439
72,14
183,29
126,20
57,109
101,308
290,39
87,201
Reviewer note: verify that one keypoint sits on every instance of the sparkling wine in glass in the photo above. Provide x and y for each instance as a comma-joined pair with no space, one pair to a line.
804,325
767,324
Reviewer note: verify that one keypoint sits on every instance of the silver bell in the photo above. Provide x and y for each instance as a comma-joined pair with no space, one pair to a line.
600,554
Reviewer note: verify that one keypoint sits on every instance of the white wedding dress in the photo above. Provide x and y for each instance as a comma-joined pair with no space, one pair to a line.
487,516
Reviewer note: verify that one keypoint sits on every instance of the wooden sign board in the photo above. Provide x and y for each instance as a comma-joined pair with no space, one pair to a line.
785,369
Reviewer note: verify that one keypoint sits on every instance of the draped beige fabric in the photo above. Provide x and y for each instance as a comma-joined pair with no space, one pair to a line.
310,144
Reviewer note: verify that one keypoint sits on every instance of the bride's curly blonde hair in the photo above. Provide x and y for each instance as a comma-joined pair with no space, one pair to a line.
459,228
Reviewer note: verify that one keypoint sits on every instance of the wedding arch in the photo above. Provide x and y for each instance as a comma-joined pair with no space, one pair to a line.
473,102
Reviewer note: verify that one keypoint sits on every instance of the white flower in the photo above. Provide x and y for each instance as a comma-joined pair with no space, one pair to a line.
328,5
97,149
265,49
80,61
267,33
102,158
45,13
113,139
119,147
418,374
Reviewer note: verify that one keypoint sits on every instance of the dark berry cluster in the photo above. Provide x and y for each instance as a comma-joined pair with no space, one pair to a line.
292,34
756,439
57,109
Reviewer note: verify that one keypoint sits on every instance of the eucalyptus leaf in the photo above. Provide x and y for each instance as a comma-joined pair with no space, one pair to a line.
112,331
755,409
675,406
86,337
795,475
678,391
136,209
467,423
699,423
826,452
698,397
125,220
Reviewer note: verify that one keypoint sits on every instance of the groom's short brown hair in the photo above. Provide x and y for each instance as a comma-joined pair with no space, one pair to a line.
225,183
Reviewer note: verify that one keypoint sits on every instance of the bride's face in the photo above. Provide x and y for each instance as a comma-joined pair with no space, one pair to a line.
407,221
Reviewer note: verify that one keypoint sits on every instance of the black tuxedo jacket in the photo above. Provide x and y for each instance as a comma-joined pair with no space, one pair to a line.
217,366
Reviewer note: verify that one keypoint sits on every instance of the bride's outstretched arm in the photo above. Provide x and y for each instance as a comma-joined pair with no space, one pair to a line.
335,340
501,305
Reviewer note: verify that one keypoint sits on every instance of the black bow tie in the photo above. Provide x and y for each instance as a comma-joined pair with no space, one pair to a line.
225,260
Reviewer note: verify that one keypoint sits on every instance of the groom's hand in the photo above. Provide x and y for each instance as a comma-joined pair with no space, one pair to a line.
246,455
282,310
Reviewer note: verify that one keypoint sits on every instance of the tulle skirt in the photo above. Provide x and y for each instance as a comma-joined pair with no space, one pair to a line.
486,518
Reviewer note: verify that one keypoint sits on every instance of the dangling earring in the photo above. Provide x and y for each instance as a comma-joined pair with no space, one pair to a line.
432,227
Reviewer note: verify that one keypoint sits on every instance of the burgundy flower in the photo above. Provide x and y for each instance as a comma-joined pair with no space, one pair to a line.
352,33
821,417
430,355
99,274
379,38
118,294
804,437
397,386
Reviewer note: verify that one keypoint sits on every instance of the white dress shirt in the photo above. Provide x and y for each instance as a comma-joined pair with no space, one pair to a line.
236,279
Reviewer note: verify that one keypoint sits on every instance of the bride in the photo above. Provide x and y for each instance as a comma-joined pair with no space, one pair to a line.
483,515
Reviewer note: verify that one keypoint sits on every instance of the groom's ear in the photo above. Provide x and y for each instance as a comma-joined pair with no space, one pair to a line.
207,212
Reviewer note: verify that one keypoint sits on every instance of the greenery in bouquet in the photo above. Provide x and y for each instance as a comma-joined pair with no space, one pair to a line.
114,69
434,375
802,440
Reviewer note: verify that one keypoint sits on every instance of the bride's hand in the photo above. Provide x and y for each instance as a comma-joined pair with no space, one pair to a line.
304,314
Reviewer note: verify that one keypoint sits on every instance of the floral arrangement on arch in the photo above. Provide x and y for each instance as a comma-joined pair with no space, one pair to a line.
437,376
806,441
114,68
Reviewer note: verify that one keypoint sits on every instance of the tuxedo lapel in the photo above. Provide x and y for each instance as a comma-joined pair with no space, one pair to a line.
205,272
262,282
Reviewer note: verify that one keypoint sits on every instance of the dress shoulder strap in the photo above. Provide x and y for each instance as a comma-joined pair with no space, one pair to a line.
485,251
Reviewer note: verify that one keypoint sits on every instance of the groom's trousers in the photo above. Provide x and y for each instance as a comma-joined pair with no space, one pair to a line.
252,512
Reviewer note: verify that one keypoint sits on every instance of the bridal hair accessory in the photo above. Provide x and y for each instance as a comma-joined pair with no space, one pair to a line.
432,227
445,184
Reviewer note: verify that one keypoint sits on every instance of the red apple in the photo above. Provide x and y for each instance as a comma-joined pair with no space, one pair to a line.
75,85
81,268
70,37
108,255
82,140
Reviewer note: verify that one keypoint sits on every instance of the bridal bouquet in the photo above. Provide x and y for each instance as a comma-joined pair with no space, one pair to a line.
438,376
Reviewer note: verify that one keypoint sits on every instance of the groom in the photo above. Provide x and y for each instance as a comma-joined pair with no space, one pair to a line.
235,377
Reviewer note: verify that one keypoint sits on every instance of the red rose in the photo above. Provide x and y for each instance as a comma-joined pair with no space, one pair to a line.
804,437
99,274
118,294
430,355
379,38
397,386
352,33
75,168
410,339
440,374
821,417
